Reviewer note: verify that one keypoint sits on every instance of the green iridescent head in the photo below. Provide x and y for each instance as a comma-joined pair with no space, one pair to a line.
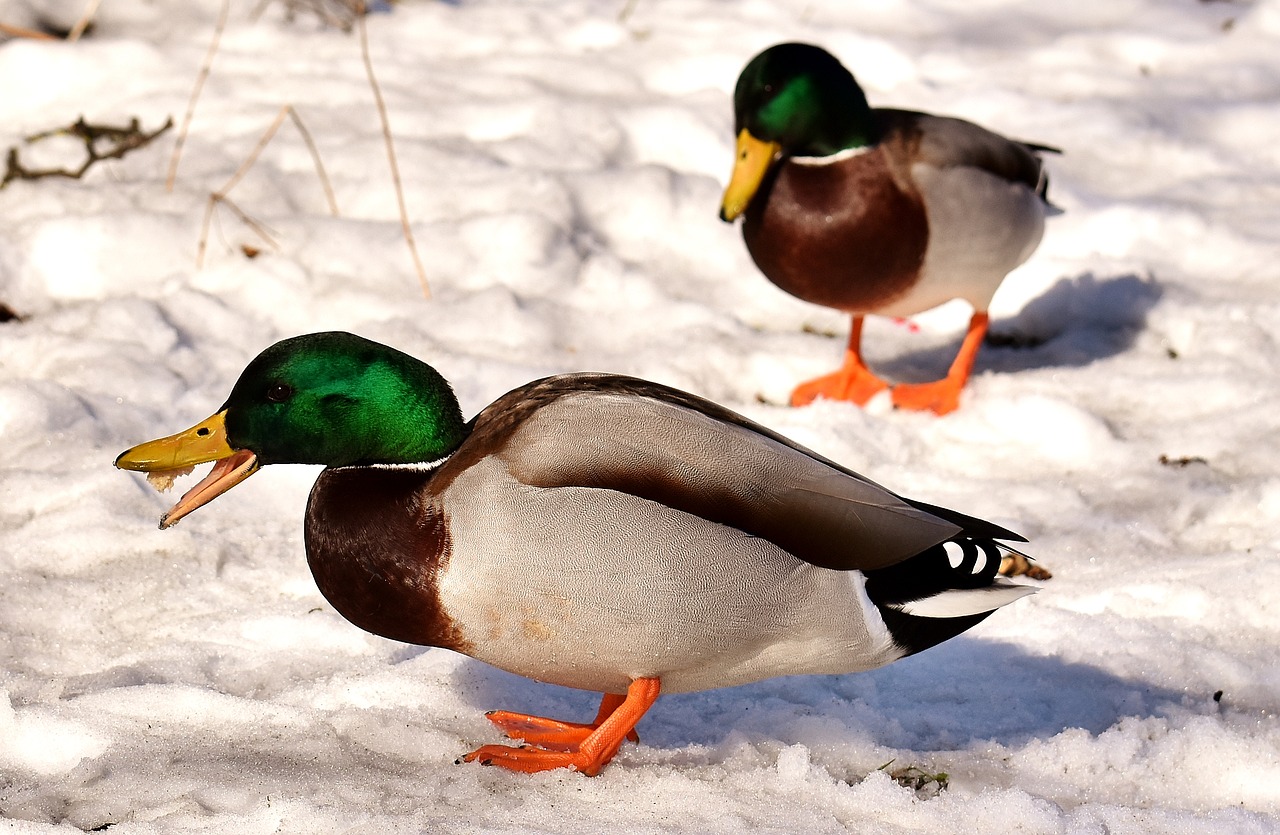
323,398
338,399
799,96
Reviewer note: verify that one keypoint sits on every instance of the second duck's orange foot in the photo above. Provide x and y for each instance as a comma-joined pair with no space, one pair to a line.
939,397
854,384
586,748
943,396
853,381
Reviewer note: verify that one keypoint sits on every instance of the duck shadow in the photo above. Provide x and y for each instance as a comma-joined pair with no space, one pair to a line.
1075,322
966,690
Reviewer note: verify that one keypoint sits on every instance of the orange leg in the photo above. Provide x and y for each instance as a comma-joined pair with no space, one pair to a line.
943,396
592,752
853,381
553,734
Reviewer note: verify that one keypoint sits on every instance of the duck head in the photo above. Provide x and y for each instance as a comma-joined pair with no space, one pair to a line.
793,99
324,398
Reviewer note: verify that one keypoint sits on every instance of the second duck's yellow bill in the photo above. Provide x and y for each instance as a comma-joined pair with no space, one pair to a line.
751,162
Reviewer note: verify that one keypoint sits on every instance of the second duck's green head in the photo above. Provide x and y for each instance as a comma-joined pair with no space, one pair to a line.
323,398
793,99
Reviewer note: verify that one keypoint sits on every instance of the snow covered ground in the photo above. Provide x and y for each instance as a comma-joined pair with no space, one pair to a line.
563,162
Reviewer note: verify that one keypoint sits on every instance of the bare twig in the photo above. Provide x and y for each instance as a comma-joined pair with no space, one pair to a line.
391,151
346,10
220,197
23,32
120,142
195,94
82,24
263,141
315,156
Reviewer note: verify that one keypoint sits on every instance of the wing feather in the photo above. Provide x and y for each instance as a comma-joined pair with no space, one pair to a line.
618,433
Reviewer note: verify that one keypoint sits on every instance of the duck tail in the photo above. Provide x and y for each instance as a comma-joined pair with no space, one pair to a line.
942,591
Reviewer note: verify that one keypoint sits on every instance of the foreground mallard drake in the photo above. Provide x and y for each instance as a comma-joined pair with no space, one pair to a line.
588,530
870,210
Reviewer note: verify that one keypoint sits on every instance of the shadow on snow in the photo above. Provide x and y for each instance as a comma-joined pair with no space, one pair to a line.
1075,322
963,691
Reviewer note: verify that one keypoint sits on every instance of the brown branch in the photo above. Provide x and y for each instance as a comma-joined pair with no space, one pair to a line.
218,199
23,32
221,195
120,142
90,9
315,157
350,10
195,95
391,152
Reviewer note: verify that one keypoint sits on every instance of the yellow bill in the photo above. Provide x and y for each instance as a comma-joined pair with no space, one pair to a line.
751,163
165,458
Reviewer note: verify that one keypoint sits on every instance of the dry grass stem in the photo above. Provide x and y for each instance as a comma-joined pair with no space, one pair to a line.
220,197
315,157
82,24
23,32
195,94
263,141
391,152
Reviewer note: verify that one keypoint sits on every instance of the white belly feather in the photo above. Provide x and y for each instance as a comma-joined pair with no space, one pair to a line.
556,594
980,228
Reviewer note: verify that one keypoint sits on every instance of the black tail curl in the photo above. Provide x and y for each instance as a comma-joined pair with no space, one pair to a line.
959,563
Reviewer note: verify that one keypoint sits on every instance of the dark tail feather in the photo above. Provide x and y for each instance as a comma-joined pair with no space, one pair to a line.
942,591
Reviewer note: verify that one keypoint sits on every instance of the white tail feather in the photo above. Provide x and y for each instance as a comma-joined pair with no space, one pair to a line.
956,603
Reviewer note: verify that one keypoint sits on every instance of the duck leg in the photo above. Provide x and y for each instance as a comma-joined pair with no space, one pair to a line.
853,381
553,734
590,754
943,396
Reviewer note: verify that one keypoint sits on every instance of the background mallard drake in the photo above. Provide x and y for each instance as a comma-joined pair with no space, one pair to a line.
873,210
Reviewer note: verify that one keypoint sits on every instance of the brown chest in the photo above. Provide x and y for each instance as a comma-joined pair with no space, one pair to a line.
376,548
843,234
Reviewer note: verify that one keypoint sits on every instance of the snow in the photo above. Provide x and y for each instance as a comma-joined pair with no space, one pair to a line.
562,170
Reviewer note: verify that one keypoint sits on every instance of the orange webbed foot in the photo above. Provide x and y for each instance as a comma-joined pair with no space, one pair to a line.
551,734
853,381
940,397
856,385
943,396
531,760
583,747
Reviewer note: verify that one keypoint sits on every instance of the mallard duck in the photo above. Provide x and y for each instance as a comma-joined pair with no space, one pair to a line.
871,210
588,530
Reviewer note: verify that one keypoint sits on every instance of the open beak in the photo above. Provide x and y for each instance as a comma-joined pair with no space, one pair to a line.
204,442
751,163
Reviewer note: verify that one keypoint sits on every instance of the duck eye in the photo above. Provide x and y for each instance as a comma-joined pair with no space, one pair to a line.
279,392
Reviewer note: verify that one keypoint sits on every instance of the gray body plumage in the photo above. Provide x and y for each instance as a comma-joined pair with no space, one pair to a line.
633,535
983,199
